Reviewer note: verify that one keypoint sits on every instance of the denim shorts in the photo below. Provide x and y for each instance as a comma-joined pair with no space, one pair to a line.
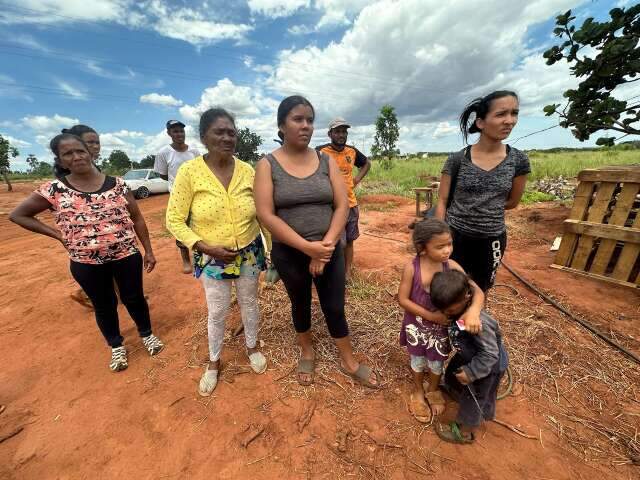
424,365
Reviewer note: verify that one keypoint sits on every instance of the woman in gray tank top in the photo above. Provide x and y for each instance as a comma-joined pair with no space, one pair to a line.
302,200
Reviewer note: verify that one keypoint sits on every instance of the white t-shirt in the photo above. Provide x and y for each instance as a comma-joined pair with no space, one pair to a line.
168,160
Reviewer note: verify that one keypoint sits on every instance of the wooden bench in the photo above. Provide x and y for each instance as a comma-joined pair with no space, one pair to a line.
430,194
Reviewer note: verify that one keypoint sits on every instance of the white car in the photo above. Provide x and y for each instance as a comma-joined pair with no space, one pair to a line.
145,181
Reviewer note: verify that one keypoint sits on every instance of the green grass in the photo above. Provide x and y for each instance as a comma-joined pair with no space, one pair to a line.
533,196
16,177
415,172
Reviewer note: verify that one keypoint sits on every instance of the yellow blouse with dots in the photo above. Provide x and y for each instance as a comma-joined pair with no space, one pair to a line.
200,208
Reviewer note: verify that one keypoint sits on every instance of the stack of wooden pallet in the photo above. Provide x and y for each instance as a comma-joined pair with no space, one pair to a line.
602,233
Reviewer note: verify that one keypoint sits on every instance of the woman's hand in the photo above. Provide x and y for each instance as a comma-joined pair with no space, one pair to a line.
320,250
219,253
316,267
149,261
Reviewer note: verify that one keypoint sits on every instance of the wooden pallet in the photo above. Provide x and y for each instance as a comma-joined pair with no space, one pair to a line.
602,233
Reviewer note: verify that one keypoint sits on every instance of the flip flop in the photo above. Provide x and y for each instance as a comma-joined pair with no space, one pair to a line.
451,433
436,399
362,374
307,367
419,409
258,362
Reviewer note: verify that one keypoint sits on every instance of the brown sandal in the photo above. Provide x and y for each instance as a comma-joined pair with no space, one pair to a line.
362,375
419,409
436,399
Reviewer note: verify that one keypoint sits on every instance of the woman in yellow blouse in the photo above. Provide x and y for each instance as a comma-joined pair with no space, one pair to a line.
211,211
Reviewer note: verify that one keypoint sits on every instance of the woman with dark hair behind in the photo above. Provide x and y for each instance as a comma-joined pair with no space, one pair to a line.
480,182
301,198
98,220
212,211
89,136
92,140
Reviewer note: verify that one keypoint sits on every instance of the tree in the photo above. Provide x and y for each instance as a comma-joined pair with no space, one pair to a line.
7,152
247,145
32,161
118,162
148,161
42,170
387,134
612,59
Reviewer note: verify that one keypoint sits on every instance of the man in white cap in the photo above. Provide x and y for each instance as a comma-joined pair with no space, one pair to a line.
167,162
347,156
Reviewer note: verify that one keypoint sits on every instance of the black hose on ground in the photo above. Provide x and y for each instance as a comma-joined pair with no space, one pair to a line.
585,324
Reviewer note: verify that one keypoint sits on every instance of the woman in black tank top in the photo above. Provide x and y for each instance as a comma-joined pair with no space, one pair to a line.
302,200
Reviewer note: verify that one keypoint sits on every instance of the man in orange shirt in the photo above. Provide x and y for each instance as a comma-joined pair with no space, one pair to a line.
347,157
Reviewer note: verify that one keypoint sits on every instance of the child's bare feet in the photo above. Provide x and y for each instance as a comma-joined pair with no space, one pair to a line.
419,408
436,402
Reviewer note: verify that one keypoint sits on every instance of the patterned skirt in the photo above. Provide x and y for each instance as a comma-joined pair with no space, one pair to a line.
250,261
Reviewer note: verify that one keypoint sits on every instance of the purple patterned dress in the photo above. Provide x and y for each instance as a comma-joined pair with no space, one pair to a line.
422,337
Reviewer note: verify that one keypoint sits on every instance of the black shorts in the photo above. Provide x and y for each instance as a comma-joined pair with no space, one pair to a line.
351,231
479,257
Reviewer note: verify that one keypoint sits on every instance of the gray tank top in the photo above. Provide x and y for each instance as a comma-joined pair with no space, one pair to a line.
305,204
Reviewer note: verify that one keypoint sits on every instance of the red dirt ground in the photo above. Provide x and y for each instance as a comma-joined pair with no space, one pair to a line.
82,421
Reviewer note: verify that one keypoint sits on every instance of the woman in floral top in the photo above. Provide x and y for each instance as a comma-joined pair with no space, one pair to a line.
97,221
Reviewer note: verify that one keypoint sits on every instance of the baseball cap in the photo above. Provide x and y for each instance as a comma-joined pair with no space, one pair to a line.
338,122
173,123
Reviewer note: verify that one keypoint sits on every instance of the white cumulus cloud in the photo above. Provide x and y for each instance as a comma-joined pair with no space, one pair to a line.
74,92
199,24
64,11
159,99
443,129
15,142
241,101
338,12
277,8
301,30
425,57
44,124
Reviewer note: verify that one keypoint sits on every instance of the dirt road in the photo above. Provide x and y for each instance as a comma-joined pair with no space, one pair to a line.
79,420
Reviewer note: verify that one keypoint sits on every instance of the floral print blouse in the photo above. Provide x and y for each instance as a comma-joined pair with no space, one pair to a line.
96,227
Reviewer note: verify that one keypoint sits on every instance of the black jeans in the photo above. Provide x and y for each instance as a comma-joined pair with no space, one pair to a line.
97,282
479,257
293,267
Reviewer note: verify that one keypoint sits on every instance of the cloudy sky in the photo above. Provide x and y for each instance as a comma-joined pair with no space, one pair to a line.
125,67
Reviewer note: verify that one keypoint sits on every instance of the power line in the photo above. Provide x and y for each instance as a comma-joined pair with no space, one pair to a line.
534,133
350,75
556,126
184,76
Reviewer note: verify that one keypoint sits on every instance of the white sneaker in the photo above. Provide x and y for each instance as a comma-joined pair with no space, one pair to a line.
258,362
118,359
153,344
208,382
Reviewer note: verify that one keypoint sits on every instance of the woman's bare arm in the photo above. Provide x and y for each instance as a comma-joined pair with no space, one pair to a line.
25,216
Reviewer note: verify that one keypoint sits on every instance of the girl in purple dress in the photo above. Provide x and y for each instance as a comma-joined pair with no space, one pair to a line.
424,328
